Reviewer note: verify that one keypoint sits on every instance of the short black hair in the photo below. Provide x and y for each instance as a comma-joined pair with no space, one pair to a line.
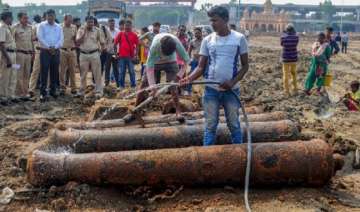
198,29
111,20
182,26
128,22
76,19
145,29
156,24
67,15
220,11
330,29
122,22
90,17
5,15
168,45
321,35
355,84
21,14
37,18
50,12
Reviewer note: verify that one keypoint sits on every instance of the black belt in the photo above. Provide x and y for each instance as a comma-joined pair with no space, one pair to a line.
44,49
89,52
11,50
68,49
24,51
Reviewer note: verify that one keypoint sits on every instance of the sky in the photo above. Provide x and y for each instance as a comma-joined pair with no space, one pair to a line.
199,2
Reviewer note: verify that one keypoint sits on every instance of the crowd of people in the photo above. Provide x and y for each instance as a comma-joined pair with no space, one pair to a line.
46,54
326,46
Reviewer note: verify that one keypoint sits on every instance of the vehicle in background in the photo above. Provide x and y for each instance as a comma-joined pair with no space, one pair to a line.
206,29
106,9
165,28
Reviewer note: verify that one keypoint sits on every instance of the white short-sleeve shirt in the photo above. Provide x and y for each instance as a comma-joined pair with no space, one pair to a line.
224,55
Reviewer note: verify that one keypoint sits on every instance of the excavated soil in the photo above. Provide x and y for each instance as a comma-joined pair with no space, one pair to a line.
22,126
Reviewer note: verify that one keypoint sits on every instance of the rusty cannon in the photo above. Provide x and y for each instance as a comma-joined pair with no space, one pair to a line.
120,139
305,163
149,120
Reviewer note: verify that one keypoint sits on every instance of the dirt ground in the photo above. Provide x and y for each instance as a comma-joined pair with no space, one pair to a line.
23,125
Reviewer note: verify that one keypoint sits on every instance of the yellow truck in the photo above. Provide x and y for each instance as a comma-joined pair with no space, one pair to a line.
103,10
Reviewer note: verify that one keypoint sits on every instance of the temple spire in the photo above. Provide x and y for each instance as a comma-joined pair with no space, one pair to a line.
268,6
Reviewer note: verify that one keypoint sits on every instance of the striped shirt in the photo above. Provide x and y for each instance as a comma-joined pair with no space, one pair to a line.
289,42
157,57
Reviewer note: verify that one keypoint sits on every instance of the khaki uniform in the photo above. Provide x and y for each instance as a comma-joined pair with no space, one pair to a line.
90,57
68,57
24,47
8,76
36,66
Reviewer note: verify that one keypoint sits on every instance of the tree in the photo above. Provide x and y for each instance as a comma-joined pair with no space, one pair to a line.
170,16
206,6
328,10
233,2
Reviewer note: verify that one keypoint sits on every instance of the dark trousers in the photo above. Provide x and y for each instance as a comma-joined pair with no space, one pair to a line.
111,61
142,69
49,64
103,57
344,46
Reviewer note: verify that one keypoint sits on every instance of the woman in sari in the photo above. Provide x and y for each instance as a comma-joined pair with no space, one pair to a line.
321,52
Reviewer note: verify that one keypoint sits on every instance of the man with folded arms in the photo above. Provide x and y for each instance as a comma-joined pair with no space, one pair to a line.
89,37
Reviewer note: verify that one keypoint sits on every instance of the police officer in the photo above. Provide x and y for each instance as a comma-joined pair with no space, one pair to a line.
8,74
35,74
24,49
68,55
89,37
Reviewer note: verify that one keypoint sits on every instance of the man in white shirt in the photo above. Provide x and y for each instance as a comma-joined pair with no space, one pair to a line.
111,60
222,50
51,39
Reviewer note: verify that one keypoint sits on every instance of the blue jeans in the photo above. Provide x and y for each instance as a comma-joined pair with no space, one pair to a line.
193,65
142,69
126,63
212,101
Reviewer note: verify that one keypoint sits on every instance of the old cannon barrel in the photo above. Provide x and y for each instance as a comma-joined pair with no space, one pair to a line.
119,139
306,163
261,117
254,116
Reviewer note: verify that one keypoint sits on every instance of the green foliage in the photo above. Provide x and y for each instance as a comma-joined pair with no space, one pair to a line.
200,17
79,10
206,7
170,16
233,2
328,10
